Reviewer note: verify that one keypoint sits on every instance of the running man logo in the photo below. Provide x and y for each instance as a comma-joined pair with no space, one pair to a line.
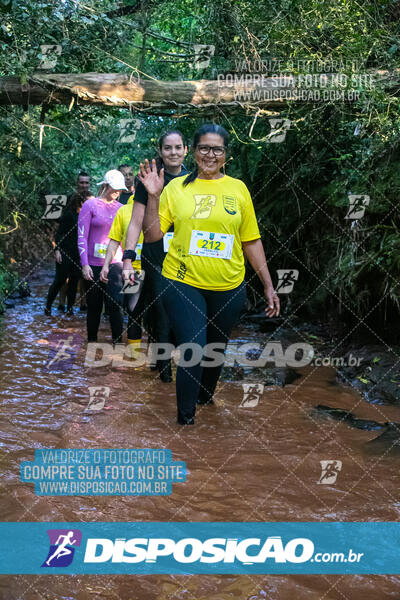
252,393
286,280
50,54
54,206
278,131
203,205
357,206
230,204
62,547
329,471
62,352
129,129
98,396
202,55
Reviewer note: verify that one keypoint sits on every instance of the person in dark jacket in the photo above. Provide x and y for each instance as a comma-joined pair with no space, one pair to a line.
66,251
171,152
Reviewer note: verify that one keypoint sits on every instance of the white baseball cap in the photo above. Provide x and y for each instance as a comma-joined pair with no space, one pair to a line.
115,179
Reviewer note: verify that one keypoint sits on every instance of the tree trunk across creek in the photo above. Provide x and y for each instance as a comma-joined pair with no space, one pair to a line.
123,90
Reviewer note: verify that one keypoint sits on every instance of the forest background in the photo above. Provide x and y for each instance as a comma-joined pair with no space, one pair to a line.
300,186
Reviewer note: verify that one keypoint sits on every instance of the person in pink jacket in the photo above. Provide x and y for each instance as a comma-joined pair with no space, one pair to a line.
94,223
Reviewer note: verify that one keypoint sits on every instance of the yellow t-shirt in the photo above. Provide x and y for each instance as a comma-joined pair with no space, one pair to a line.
119,230
211,217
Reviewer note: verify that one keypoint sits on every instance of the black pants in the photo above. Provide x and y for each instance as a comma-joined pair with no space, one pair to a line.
131,304
156,318
67,269
201,317
96,293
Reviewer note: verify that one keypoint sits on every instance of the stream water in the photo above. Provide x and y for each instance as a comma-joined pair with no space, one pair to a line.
259,463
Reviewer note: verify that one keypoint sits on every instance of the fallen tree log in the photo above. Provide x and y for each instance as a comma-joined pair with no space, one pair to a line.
123,90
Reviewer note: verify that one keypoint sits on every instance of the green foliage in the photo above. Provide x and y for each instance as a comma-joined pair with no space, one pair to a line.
8,282
300,187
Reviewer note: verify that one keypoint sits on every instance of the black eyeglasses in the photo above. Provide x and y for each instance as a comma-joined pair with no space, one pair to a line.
216,150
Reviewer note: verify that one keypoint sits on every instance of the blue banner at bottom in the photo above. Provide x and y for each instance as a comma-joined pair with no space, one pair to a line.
199,548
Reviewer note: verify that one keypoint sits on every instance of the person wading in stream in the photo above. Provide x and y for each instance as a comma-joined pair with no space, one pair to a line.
215,227
82,187
66,253
171,152
132,302
94,223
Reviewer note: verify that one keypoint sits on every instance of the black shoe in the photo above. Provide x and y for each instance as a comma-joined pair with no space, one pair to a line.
61,308
166,377
70,312
185,420
165,369
47,312
203,401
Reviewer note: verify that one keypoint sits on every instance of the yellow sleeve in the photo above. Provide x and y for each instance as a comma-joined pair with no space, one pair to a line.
130,199
166,219
117,231
249,228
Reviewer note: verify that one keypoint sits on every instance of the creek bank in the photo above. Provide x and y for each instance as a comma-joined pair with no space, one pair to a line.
373,370
377,376
23,255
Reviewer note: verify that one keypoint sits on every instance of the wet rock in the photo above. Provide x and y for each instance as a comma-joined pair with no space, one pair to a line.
338,414
376,374
388,441
235,373
22,291
265,324
279,376
9,303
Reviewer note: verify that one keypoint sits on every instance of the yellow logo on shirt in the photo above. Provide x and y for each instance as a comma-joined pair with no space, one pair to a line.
230,204
203,205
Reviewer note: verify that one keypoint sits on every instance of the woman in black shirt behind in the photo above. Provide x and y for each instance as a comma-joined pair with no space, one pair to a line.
68,265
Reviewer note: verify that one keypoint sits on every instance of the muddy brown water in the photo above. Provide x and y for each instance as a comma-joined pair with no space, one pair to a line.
244,464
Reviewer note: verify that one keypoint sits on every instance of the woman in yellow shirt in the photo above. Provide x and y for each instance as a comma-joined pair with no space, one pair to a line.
215,226
133,303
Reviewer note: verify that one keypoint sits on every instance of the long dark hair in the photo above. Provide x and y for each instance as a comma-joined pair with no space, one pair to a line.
76,200
203,130
161,139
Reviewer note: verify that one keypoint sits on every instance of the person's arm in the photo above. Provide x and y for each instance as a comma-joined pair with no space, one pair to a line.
151,222
84,219
132,235
111,250
254,252
153,182
65,224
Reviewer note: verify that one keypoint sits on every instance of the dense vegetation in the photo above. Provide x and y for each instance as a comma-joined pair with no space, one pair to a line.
300,186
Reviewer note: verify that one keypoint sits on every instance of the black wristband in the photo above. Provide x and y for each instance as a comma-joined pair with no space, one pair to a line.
129,255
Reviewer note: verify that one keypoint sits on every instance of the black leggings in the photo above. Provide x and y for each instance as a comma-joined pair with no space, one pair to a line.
131,304
201,317
156,318
67,269
96,293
